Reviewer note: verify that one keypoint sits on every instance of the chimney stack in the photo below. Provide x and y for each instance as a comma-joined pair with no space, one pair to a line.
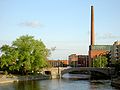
92,26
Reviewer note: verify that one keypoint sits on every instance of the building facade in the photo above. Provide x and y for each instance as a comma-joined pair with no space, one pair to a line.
83,61
115,52
73,58
56,63
97,50
78,60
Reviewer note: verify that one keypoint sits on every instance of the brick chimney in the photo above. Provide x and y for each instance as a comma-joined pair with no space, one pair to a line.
92,26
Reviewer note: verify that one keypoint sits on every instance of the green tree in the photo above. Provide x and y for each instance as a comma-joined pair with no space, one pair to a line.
25,54
9,55
100,61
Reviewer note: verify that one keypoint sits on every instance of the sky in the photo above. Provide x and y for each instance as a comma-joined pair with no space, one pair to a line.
63,24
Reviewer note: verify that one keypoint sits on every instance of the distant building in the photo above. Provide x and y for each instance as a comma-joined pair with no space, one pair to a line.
56,63
72,58
112,50
64,62
97,50
78,60
83,61
115,52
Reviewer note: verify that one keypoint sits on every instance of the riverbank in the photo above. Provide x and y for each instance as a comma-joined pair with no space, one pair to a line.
116,82
14,78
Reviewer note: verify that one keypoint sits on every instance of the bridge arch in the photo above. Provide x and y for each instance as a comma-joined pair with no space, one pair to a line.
104,71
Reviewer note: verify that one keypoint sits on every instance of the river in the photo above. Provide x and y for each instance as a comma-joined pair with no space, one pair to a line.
59,84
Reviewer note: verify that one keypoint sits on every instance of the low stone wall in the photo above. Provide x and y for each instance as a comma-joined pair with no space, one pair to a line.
7,79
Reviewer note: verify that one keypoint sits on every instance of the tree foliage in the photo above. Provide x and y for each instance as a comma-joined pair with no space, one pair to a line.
100,61
25,54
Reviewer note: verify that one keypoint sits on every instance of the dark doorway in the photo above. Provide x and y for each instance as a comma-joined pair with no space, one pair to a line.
48,72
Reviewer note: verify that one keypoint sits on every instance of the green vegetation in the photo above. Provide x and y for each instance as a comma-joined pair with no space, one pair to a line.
24,55
100,61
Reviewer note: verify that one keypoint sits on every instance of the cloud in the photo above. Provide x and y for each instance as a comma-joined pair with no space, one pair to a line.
32,24
109,36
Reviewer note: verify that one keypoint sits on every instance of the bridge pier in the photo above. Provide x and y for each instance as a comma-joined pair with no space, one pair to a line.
55,72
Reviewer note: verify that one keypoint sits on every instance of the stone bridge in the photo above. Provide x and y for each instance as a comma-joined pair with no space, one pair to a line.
106,71
55,72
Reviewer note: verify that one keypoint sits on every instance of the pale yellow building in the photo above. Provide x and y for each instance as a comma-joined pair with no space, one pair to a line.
115,52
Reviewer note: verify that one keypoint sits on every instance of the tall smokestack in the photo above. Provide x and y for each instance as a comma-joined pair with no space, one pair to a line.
92,26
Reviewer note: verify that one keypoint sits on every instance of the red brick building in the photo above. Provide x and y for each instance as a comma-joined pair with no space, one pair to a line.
72,58
78,60
97,50
83,61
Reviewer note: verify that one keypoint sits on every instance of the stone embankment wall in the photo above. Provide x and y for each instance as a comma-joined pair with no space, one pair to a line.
8,78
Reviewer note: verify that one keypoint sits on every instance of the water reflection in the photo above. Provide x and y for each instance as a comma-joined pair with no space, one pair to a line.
101,85
59,84
76,76
27,85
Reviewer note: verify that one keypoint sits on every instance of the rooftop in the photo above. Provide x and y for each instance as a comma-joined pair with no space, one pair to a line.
101,47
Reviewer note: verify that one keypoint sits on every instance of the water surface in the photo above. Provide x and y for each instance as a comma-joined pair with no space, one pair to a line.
56,84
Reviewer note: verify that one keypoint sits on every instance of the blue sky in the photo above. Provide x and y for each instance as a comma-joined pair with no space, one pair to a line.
64,24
